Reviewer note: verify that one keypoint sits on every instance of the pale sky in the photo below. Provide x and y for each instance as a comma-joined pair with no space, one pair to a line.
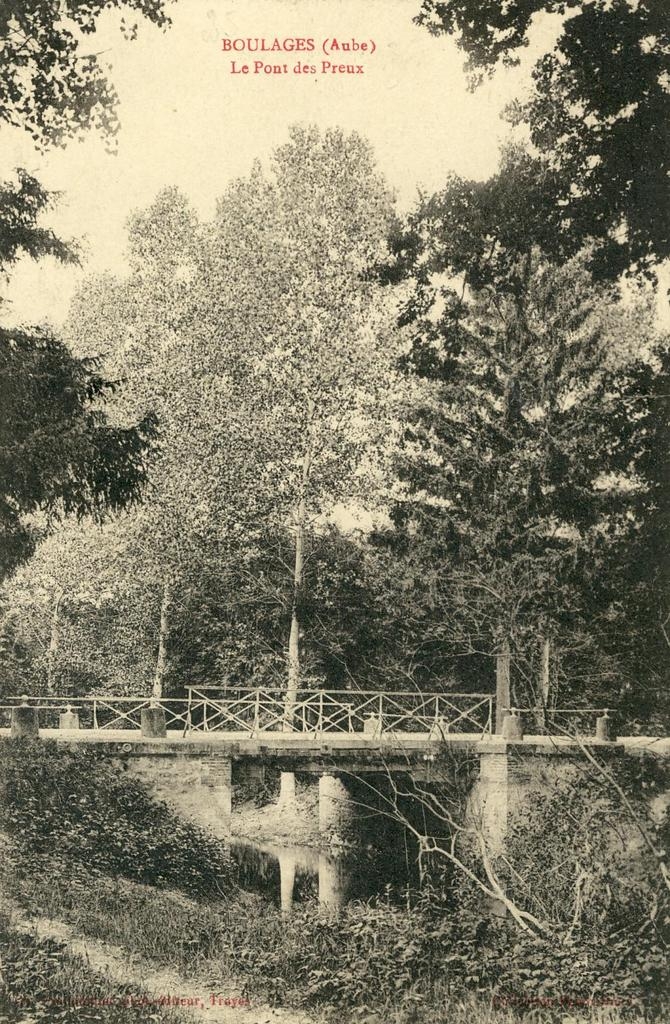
186,121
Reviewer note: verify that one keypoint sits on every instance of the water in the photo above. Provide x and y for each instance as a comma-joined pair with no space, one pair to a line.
288,875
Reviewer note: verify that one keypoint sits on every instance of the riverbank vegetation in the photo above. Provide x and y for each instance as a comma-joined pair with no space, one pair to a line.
72,806
171,901
43,982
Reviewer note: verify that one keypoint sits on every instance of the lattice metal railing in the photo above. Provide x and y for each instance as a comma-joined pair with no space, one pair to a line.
257,710
548,721
317,711
100,712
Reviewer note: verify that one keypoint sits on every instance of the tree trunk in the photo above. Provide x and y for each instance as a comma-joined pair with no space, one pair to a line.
545,679
503,696
287,779
162,658
293,681
545,685
54,643
294,634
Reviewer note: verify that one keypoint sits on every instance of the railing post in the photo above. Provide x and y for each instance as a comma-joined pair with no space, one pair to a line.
257,713
381,713
95,714
205,727
320,715
372,726
24,723
512,728
604,731
68,719
188,724
152,721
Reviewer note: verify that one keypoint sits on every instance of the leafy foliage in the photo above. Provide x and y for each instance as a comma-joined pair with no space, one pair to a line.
600,880
72,623
267,354
532,472
597,114
57,445
534,459
22,203
47,87
73,806
58,451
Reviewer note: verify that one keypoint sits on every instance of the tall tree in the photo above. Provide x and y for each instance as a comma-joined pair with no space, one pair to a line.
137,324
266,349
598,111
308,333
525,464
58,450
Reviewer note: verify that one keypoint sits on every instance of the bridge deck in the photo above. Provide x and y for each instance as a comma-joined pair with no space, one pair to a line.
290,745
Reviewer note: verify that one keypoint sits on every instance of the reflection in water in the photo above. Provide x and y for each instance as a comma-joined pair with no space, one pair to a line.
287,865
332,882
288,874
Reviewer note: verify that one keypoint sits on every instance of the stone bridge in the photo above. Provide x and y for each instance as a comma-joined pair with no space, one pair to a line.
335,736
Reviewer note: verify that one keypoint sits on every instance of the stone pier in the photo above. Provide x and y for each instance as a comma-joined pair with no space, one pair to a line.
513,775
489,801
25,724
216,774
152,721
336,809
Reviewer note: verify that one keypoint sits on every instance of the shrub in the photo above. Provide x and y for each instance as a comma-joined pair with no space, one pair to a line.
73,804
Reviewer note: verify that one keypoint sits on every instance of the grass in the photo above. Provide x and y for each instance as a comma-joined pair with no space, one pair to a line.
73,860
42,982
162,927
367,962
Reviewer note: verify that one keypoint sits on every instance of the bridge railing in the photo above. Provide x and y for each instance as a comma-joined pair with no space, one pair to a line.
539,721
98,712
316,711
255,710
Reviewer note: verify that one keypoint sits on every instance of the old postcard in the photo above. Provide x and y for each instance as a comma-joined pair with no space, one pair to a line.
334,604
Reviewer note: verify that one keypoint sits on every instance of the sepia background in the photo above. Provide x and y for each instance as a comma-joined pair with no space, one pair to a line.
186,121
